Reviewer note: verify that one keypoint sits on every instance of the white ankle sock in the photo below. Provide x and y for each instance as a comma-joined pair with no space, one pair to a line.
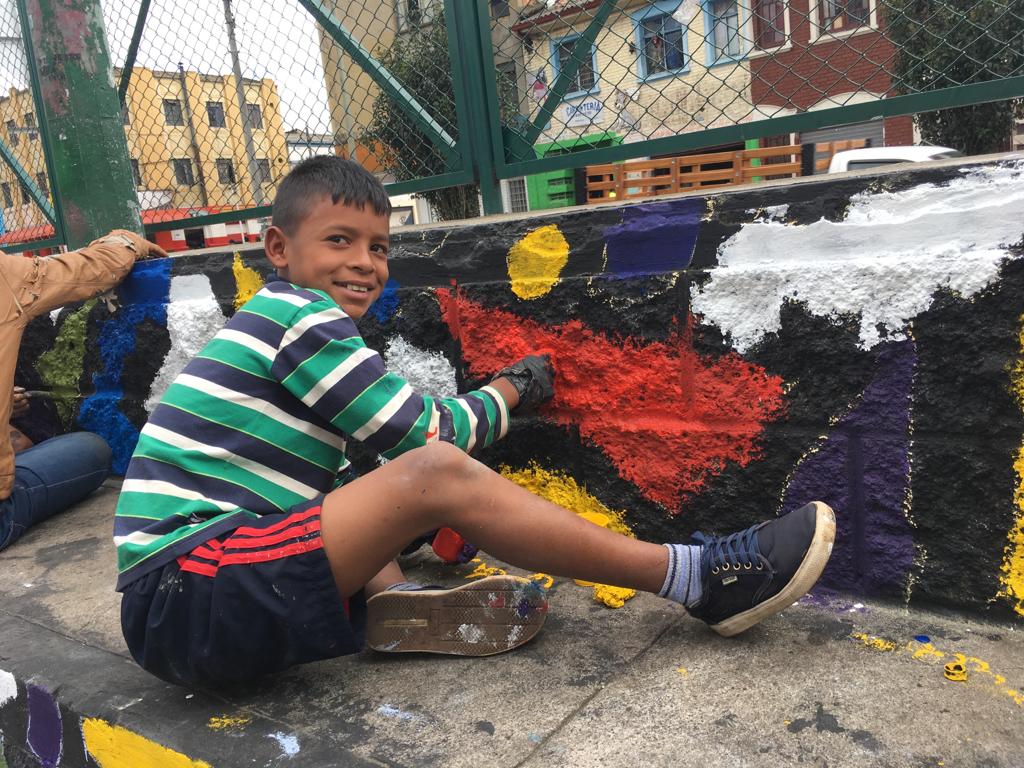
682,579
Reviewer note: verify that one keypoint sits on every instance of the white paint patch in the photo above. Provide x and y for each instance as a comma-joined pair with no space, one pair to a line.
514,633
389,710
193,317
773,212
8,687
54,314
287,741
471,633
884,261
428,373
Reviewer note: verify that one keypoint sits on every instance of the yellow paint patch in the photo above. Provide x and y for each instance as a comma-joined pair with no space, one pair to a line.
228,721
1013,561
483,570
536,262
972,668
247,281
683,671
112,746
560,489
543,580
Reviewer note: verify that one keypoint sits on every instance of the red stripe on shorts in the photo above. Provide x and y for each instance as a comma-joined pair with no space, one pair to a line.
262,541
280,524
195,566
265,555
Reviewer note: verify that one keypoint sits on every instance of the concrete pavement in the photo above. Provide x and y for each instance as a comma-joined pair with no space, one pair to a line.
831,682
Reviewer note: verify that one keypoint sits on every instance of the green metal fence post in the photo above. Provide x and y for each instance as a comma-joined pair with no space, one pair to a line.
472,33
80,124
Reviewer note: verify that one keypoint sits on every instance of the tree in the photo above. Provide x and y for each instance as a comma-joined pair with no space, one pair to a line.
943,43
419,60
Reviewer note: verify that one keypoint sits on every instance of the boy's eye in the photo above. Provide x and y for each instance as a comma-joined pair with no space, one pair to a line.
382,249
337,239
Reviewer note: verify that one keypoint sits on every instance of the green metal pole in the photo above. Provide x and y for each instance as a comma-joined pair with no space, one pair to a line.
133,51
88,154
466,26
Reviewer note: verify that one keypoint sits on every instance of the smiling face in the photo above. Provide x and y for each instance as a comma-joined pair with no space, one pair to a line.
338,249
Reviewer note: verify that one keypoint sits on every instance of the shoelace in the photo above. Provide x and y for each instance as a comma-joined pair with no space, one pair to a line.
737,551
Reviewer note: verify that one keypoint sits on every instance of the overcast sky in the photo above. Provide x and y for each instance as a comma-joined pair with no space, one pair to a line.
276,39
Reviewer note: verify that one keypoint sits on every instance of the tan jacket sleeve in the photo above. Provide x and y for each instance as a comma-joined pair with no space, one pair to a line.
31,286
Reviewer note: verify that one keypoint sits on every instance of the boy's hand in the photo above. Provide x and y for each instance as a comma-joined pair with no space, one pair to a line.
19,400
144,249
533,379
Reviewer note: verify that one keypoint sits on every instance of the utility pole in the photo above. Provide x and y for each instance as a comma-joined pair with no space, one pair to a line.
187,107
80,118
250,152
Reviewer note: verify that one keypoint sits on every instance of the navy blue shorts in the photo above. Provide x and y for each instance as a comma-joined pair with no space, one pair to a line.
253,601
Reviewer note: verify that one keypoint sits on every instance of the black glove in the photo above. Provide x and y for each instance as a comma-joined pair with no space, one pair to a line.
533,378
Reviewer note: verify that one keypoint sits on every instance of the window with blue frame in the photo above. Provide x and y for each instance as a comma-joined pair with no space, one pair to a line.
662,46
586,78
723,36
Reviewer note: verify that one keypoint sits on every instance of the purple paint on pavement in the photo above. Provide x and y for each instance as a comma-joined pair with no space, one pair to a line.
862,470
44,735
654,238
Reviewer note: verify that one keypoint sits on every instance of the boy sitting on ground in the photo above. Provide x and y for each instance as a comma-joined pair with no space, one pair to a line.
245,548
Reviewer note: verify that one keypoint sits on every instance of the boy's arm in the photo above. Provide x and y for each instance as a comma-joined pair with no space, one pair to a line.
323,361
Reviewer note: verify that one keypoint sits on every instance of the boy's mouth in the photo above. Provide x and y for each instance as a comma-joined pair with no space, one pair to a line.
354,287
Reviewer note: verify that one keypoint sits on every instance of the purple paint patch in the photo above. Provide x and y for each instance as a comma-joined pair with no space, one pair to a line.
44,735
654,238
523,608
862,470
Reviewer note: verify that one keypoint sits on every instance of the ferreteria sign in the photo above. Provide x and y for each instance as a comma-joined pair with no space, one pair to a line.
585,113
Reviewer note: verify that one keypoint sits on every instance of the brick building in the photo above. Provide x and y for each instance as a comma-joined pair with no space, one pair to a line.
815,54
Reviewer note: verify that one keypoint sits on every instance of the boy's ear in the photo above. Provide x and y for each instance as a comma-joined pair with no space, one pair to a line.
275,244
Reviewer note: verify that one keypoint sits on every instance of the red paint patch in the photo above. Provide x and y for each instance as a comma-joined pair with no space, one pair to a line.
667,417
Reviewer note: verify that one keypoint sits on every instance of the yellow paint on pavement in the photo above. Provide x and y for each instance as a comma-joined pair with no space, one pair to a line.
536,262
247,281
483,570
112,746
228,721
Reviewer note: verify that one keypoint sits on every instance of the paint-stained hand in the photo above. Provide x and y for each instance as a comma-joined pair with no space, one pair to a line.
533,378
144,249
20,404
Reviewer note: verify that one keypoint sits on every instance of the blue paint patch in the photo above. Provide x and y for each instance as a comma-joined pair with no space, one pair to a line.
45,732
654,238
922,638
143,295
384,308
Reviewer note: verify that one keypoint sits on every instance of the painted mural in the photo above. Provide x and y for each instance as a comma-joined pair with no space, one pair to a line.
720,359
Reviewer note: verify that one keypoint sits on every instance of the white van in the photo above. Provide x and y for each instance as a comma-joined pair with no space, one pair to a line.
874,157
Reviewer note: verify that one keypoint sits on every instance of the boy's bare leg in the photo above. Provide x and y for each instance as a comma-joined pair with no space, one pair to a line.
388,575
366,523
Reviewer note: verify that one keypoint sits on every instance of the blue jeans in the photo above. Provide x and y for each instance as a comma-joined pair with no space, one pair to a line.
49,478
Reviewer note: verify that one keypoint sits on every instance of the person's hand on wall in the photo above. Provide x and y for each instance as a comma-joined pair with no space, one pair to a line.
19,402
533,378
144,249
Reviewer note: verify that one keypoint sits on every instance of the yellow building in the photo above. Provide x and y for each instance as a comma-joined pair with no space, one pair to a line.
185,139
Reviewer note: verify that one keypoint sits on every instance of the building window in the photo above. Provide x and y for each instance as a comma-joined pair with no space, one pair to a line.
769,23
723,30
661,44
585,78
41,183
499,9
136,172
255,115
261,171
517,197
183,172
839,15
172,112
26,198
215,113
6,189
12,133
508,85
30,122
225,171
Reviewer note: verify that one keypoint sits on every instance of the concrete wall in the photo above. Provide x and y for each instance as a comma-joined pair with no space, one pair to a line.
720,359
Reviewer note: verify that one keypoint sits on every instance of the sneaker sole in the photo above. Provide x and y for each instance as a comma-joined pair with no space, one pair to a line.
492,615
806,576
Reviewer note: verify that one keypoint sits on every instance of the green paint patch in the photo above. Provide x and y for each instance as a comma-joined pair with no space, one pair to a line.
61,366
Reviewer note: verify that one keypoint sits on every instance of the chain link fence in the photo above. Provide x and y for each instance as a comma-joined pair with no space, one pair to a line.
221,97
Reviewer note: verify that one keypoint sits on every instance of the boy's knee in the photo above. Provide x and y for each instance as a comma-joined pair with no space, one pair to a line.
436,463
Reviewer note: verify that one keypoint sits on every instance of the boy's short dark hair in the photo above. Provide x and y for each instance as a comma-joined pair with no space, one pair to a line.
323,176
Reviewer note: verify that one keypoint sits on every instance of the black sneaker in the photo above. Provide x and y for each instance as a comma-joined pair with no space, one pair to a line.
750,575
